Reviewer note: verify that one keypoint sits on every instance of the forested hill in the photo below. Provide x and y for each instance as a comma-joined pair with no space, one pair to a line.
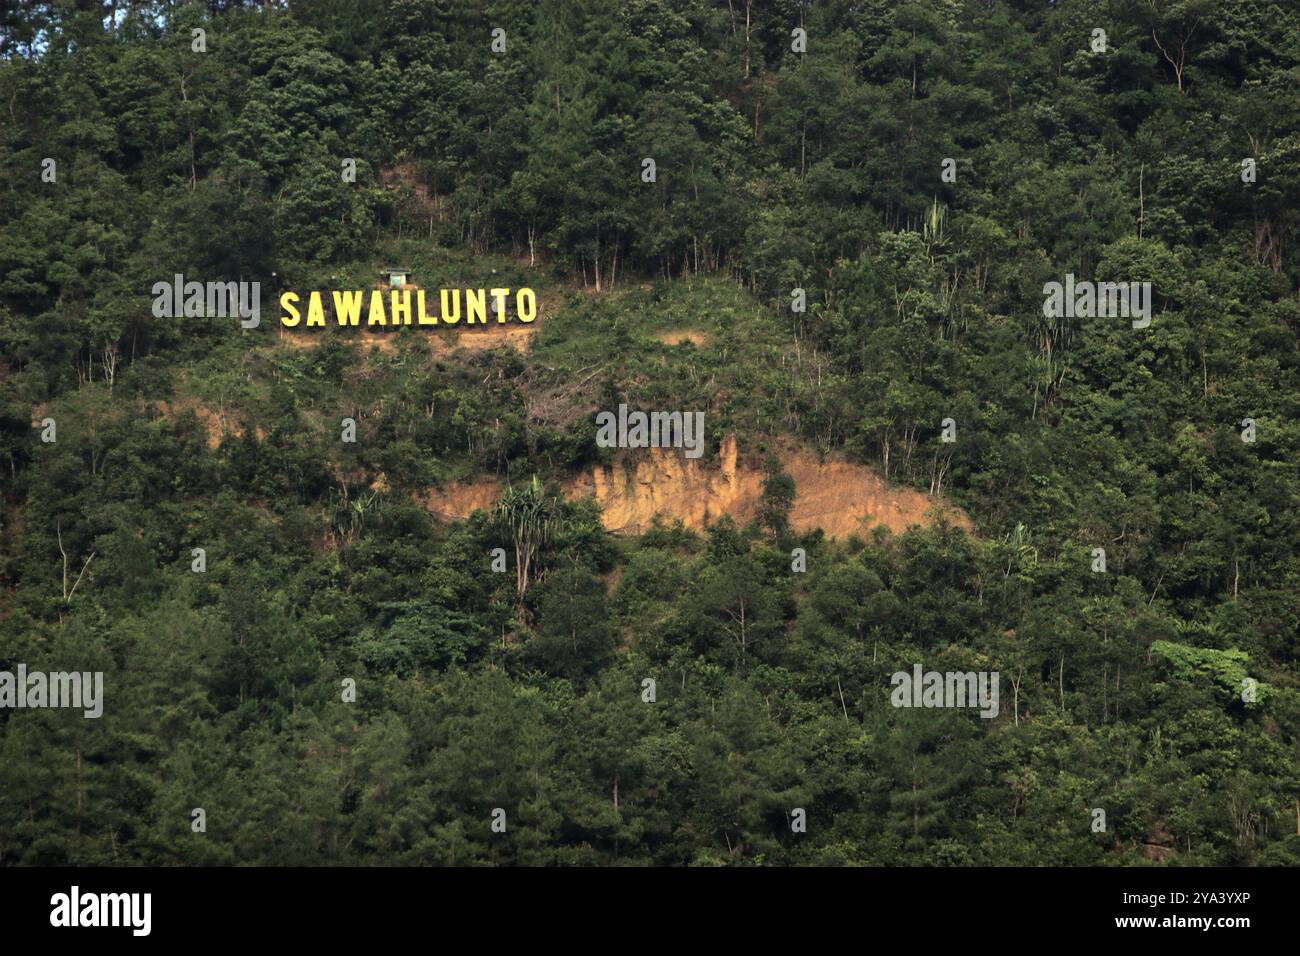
830,227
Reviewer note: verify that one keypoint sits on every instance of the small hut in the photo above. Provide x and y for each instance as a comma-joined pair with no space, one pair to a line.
395,277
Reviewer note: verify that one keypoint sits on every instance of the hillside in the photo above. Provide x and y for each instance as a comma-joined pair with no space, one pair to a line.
353,590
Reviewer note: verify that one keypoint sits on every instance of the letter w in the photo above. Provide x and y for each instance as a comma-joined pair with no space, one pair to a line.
347,307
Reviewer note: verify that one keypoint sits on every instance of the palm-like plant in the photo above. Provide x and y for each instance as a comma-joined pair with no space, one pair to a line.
1020,548
935,229
531,517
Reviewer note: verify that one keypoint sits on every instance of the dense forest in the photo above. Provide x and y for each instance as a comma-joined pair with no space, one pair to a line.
347,679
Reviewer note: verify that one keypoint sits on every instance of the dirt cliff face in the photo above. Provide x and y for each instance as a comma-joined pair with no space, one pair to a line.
838,496
463,498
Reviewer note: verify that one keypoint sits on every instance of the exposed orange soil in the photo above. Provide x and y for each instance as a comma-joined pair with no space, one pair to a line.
217,423
515,335
838,496
678,336
463,498
384,341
